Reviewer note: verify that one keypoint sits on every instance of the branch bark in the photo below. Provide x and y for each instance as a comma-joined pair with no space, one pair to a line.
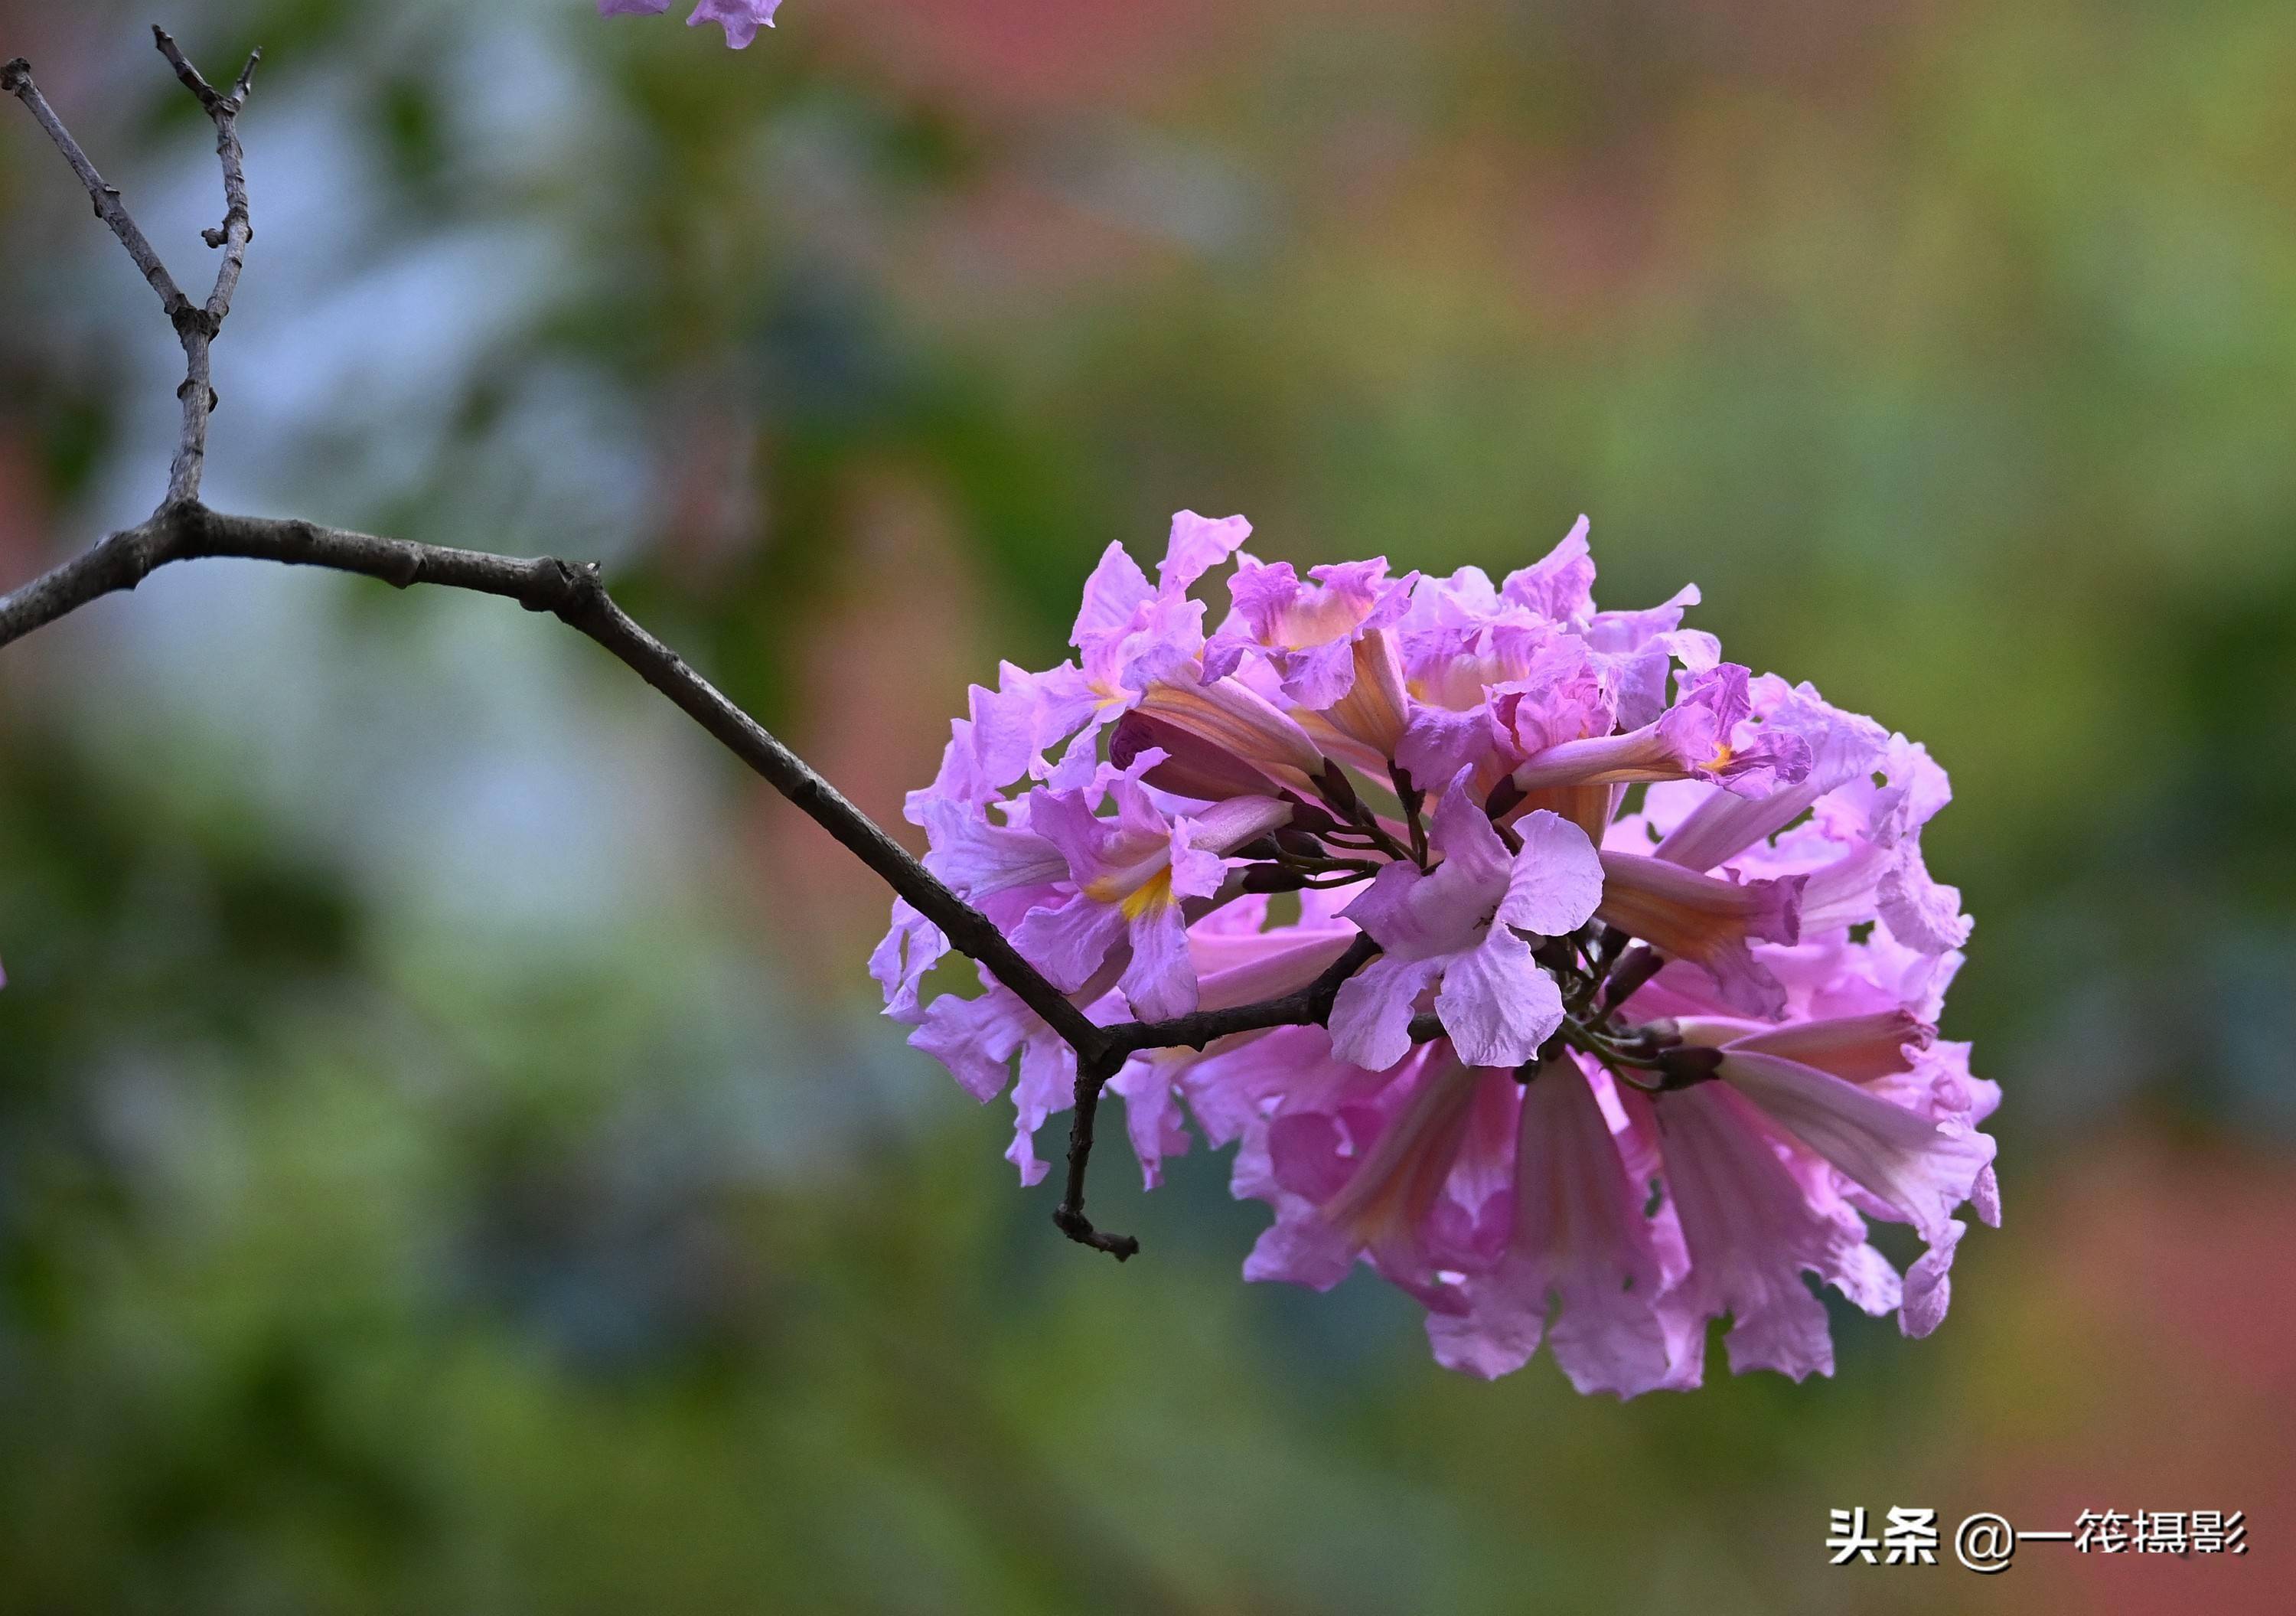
199,331
16,80
182,528
1309,1006
574,594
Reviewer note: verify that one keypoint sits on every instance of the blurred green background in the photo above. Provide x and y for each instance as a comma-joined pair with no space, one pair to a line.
448,1158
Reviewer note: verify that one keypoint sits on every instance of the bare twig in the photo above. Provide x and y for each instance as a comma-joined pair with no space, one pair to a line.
198,391
196,325
1092,1079
16,80
185,529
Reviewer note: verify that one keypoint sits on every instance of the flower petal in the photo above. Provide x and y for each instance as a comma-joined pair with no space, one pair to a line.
1370,1018
1497,1003
1555,883
1920,1168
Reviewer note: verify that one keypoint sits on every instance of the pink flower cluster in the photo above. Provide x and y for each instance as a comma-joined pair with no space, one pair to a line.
1651,1028
741,19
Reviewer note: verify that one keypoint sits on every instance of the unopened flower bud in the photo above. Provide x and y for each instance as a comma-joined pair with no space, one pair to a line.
1635,967
1247,727
1684,1065
1193,765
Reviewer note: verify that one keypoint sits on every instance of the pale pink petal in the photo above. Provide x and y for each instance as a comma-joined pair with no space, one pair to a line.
1919,911
1113,597
911,949
975,1039
1929,1284
1370,1018
1302,1252
1464,834
979,857
1046,1084
1198,544
1310,1155
1416,916
1496,1002
1151,1112
1319,677
1555,883
1224,653
741,19
1160,982
1986,1197
1562,584
1438,743
1069,942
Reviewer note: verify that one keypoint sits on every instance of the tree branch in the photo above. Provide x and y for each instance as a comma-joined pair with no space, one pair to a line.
185,529
16,80
575,595
1309,1006
1068,1217
199,333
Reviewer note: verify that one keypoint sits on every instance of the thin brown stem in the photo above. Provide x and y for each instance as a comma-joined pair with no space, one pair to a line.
1069,1216
1413,799
1309,1006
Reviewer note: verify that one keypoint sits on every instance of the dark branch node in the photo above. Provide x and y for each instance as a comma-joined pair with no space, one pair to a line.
1078,1227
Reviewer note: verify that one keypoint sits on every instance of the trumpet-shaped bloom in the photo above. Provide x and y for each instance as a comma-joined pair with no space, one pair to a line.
1131,876
1404,1171
1718,825
1307,633
1917,1167
1581,1247
1752,1226
1709,734
1708,922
